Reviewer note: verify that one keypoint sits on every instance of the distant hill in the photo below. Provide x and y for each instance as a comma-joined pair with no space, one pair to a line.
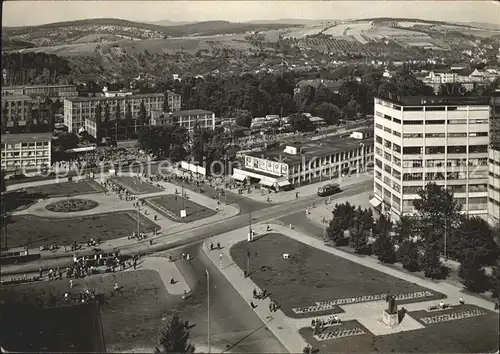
168,23
292,21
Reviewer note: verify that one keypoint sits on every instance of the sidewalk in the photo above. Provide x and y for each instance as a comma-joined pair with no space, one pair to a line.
308,190
368,313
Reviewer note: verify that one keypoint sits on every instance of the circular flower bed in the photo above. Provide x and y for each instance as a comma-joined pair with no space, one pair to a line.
72,205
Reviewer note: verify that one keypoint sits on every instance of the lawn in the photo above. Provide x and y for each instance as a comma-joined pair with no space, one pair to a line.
470,335
136,186
130,319
170,205
34,231
311,275
22,198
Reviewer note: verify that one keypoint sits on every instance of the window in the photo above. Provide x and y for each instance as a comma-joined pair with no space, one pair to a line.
412,176
434,163
387,156
397,161
478,121
478,162
457,135
397,148
413,109
412,163
412,135
379,139
412,122
479,134
396,133
378,174
378,151
459,188
411,189
387,181
387,117
396,173
437,176
478,148
378,163
460,149
432,150
434,109
396,187
388,168
435,122
483,187
387,143
456,162
434,135
457,121
379,126
412,150
395,120
388,130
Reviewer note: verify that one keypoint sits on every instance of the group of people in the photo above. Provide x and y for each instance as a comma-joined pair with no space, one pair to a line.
20,280
332,320
273,307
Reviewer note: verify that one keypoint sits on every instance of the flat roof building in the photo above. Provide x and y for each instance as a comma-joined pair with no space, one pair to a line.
308,161
494,186
431,139
25,151
187,119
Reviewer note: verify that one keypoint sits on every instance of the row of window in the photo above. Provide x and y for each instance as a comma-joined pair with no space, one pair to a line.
492,187
449,163
445,121
453,149
441,176
494,201
24,145
491,161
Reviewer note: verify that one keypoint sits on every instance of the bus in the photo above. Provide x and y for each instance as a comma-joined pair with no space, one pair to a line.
328,189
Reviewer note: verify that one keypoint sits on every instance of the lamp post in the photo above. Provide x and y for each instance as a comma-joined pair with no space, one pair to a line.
138,218
362,156
208,315
445,239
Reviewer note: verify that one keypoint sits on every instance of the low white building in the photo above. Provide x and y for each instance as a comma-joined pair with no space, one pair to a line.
25,152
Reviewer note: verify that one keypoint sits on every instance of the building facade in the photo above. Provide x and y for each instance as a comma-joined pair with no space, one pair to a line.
435,139
308,162
494,186
187,119
79,112
25,151
51,91
174,101
16,110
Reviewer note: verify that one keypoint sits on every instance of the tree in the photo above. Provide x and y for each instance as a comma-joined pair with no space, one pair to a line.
329,112
383,225
128,118
473,276
142,114
336,232
408,256
431,264
383,248
359,241
406,229
98,113
438,212
473,239
495,280
300,123
2,181
106,113
174,337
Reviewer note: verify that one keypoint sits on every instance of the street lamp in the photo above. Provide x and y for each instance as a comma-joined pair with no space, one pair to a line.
362,156
208,300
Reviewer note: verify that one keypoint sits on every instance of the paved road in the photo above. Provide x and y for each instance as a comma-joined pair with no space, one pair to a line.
233,324
194,235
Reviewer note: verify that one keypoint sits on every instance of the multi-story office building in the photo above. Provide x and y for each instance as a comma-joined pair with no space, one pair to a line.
51,91
25,151
16,110
494,185
434,139
79,109
308,161
174,101
187,119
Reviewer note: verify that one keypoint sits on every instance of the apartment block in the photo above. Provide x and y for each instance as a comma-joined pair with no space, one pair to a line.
494,186
51,91
79,112
16,111
25,151
434,139
187,119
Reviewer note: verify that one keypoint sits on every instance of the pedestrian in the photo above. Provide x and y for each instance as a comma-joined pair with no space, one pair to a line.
218,245
461,301
40,271
252,305
71,283
151,242
271,307
156,217
188,257
116,287
211,246
183,256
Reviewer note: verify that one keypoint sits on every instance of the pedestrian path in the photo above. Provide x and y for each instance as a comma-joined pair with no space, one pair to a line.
166,270
367,313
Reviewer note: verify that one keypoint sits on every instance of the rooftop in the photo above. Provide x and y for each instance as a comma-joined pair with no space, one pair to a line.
312,148
439,101
33,86
190,112
86,99
15,97
25,138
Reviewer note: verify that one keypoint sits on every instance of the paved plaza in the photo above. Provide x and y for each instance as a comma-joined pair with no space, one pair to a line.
367,313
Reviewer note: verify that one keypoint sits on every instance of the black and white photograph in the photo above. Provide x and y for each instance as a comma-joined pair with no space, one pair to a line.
250,176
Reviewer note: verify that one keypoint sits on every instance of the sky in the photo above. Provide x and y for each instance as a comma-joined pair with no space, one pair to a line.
22,13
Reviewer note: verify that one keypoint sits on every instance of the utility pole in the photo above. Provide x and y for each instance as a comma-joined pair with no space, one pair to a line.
250,225
182,197
208,300
138,218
